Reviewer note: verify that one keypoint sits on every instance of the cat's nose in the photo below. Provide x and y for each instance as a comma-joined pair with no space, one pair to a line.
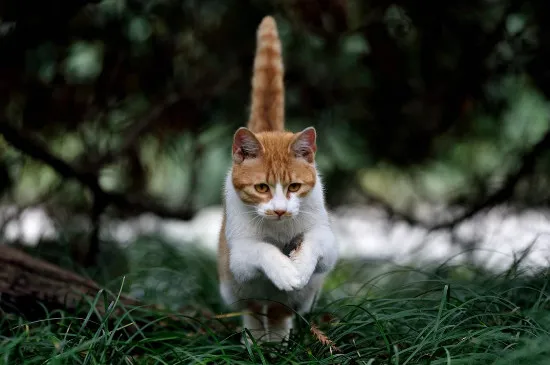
280,213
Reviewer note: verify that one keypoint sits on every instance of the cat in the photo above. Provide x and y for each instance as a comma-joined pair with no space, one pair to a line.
273,198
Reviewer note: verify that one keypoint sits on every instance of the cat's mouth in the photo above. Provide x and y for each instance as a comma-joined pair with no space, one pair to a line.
278,218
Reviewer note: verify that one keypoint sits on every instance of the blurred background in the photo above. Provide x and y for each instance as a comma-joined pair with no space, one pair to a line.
117,122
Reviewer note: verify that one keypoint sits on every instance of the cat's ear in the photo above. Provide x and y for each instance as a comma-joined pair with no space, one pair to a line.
304,144
245,145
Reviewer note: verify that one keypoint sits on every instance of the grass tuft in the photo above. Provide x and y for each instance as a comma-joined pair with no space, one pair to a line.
369,313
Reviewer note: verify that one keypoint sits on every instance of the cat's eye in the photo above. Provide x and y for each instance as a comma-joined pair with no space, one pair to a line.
294,187
261,188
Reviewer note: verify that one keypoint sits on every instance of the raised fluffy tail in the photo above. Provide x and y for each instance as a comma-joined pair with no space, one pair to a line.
267,112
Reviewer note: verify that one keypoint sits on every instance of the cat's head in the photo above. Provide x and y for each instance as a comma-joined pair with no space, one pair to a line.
274,171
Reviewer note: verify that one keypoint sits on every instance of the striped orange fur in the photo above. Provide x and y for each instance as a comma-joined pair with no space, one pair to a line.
267,111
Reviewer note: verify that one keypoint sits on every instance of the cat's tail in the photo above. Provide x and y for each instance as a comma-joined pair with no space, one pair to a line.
267,112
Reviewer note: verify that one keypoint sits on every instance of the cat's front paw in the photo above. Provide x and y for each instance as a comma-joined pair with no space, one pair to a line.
282,273
305,266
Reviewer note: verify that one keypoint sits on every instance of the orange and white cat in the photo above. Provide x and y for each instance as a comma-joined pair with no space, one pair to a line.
273,196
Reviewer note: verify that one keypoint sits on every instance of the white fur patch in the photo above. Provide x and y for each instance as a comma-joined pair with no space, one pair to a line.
279,201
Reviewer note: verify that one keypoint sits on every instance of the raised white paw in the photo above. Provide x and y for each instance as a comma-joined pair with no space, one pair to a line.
282,273
305,269
302,281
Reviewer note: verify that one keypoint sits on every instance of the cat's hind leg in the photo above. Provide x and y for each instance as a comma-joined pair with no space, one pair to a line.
254,320
279,322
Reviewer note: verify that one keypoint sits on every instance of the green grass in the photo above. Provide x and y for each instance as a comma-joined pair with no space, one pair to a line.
374,313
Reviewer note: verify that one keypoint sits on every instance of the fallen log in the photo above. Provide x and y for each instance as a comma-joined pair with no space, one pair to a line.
32,288
29,284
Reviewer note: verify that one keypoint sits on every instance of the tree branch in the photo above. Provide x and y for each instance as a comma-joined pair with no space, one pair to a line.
131,135
98,207
36,149
527,165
